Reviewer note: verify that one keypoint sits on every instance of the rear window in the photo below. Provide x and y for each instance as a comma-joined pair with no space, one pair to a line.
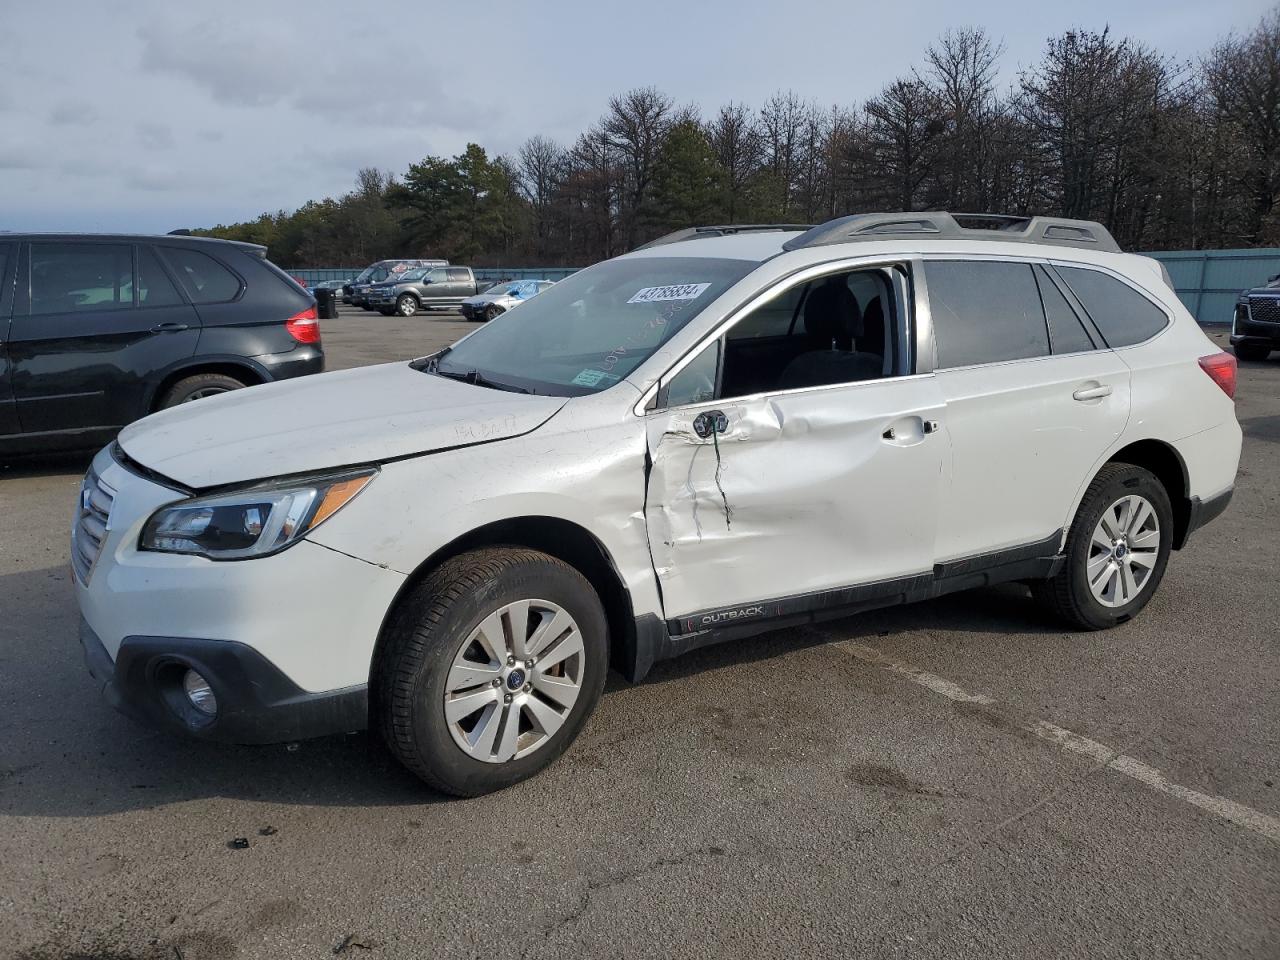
1122,315
74,277
985,312
204,278
1066,333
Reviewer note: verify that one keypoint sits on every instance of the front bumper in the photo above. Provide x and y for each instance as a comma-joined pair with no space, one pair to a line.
1247,330
256,702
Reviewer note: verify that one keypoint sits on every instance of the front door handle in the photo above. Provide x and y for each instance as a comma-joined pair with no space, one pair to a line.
168,327
1094,392
709,422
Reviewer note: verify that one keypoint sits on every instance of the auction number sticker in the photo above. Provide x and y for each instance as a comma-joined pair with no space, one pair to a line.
676,291
590,378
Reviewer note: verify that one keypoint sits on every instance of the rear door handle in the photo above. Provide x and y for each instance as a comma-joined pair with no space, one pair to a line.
1095,392
169,327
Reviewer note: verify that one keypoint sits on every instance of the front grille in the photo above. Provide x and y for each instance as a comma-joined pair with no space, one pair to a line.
1264,309
93,520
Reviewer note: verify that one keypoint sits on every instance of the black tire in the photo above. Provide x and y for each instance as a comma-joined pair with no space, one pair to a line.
1068,594
365,306
387,311
407,305
1252,351
492,311
426,632
196,387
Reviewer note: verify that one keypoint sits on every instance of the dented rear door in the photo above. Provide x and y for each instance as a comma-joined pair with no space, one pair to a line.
804,491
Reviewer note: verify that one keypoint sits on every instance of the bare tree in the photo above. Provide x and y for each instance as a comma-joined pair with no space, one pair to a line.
635,126
737,144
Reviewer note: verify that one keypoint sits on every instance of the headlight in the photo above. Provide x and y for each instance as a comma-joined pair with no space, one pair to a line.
253,521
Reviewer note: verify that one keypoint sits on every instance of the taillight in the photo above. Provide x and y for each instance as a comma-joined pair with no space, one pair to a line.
1221,367
305,326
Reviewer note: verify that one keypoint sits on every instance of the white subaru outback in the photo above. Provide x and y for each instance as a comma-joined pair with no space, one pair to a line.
729,430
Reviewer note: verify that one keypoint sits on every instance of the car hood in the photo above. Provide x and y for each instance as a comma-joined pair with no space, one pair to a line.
1260,292
480,299
327,420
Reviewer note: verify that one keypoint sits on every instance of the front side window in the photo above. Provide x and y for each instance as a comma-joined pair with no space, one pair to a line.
591,330
985,311
77,277
435,276
204,278
1122,315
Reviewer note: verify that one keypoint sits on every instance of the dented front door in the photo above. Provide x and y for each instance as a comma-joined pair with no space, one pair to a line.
802,492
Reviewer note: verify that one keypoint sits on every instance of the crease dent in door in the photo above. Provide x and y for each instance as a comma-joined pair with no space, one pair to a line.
729,489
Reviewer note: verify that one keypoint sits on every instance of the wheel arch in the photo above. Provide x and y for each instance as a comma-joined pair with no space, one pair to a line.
562,539
241,369
1169,468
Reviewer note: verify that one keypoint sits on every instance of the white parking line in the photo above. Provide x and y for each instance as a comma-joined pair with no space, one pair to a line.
1106,756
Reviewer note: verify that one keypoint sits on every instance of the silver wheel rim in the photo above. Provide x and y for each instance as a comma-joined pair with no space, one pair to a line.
407,307
1123,551
204,392
514,681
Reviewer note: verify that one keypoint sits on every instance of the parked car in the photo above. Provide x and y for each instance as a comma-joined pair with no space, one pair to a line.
417,290
355,291
334,285
500,298
727,431
97,331
1255,326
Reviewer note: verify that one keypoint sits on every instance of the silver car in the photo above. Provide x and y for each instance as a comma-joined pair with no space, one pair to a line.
502,297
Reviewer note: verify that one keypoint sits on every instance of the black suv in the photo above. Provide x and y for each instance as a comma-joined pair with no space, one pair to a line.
1255,328
97,331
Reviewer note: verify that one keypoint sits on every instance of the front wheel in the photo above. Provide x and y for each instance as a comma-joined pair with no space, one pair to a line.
491,667
1117,550
492,312
407,305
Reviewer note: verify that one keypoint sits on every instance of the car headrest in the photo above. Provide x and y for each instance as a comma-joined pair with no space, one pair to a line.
831,312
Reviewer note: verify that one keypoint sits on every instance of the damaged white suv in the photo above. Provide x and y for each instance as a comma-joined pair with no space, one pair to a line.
730,430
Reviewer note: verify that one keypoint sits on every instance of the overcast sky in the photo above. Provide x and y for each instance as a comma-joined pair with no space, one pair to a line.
150,116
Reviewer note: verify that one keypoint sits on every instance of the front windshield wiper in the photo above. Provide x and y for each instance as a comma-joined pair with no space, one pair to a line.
478,379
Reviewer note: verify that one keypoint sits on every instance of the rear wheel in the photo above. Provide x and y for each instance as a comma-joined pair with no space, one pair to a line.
1117,550
1252,351
198,387
491,668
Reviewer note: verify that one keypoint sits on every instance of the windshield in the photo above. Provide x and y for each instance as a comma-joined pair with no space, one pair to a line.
585,333
501,287
416,274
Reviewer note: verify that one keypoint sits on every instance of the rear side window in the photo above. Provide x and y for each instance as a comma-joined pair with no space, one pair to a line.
1122,315
458,273
985,312
76,277
204,278
155,289
1066,333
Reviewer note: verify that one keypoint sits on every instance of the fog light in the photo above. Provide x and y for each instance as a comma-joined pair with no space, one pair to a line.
199,693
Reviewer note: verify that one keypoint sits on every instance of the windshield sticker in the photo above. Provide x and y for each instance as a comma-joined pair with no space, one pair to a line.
677,291
591,378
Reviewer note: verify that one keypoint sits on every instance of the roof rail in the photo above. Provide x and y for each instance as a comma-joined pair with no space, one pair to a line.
940,225
724,230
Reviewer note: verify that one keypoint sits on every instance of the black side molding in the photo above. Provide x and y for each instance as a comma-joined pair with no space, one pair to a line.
1026,562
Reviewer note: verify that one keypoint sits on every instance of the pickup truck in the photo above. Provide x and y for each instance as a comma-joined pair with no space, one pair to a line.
424,289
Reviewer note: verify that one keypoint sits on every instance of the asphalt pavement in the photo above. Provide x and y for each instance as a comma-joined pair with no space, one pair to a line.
959,778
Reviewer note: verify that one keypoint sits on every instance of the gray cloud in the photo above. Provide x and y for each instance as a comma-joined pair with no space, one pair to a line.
155,136
72,113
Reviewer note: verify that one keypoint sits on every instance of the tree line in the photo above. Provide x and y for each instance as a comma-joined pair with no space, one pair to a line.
1167,154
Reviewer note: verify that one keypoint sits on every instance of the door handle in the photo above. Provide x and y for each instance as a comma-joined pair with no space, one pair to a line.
168,327
712,421
1095,392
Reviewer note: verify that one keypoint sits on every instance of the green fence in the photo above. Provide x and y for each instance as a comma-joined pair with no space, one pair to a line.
1207,281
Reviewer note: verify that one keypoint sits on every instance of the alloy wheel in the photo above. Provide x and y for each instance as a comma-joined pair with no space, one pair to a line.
203,392
1123,551
514,681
